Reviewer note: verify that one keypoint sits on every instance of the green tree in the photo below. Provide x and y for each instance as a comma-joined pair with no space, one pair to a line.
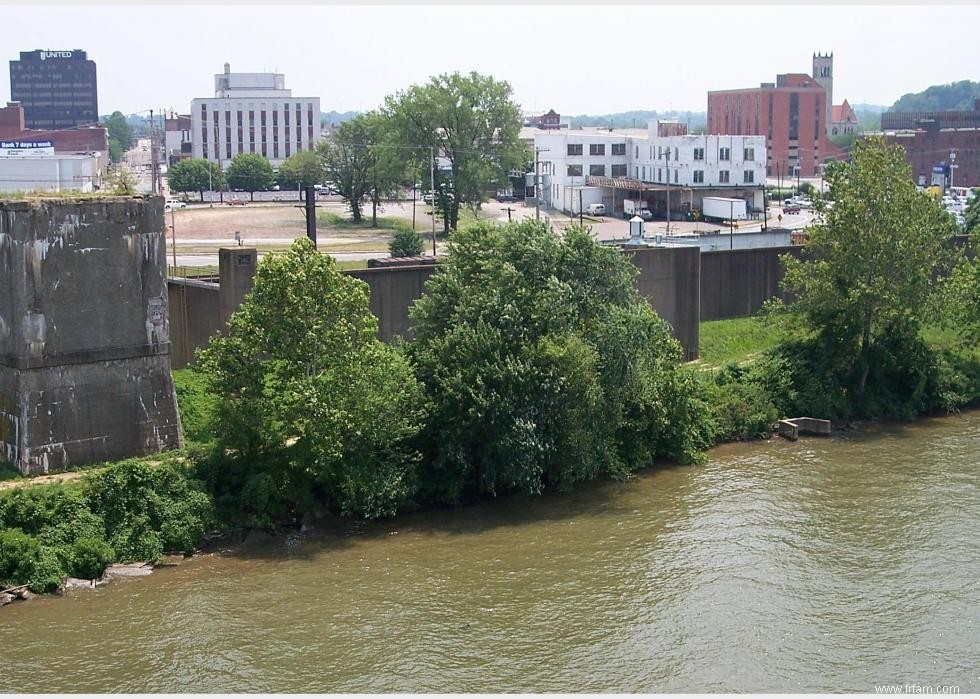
971,216
543,366
195,175
251,172
862,286
406,242
472,124
120,135
303,169
312,403
119,180
347,159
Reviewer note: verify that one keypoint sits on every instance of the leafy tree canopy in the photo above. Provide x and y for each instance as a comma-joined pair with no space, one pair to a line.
195,175
301,169
119,130
865,279
251,172
472,123
311,401
543,366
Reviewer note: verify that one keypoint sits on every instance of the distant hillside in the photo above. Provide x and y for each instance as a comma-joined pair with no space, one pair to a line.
958,96
336,117
637,119
871,108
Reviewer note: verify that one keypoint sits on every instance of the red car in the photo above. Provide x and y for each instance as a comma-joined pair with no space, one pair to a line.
791,209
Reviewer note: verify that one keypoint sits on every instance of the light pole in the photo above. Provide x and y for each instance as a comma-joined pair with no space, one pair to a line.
952,166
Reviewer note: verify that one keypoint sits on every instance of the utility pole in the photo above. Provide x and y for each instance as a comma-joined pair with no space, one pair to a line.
508,210
580,207
952,166
765,209
731,225
537,187
153,158
311,214
432,182
667,170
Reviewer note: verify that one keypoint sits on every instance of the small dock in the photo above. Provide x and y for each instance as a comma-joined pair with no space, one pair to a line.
792,428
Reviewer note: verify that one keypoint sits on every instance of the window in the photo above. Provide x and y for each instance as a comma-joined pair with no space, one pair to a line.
676,152
675,176
749,155
574,149
699,176
699,153
618,171
749,177
724,154
597,149
597,170
575,170
644,171
637,152
660,174
619,149
723,177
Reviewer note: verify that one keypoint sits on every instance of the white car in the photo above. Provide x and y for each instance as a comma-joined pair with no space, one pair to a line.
172,205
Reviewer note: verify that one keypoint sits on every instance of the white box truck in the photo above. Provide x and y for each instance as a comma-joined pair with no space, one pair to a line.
636,208
723,209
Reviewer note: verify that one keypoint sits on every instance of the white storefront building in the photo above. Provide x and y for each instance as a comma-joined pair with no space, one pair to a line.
27,166
581,167
253,113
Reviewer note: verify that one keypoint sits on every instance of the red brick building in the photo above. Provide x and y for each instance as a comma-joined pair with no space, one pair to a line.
791,113
78,140
930,146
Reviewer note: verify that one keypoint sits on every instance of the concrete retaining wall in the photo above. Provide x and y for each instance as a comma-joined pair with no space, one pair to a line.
195,316
84,332
736,283
393,291
669,280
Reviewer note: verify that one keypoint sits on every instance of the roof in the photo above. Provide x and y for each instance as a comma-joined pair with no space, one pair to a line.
842,112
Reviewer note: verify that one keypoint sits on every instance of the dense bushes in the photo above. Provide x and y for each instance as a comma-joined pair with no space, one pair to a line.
543,366
312,405
129,512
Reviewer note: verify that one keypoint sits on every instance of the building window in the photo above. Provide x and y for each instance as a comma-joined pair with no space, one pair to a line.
574,149
618,170
748,177
644,171
638,152
699,153
724,154
676,153
597,170
675,176
723,177
660,174
597,149
575,170
699,177
749,155
619,149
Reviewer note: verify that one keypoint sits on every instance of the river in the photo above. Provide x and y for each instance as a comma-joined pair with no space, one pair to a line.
821,565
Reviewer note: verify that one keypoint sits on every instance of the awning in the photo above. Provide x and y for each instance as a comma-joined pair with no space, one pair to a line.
630,184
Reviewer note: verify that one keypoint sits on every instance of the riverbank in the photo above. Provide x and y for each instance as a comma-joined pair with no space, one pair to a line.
815,566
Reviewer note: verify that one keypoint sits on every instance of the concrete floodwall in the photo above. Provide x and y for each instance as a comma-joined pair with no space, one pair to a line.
736,283
195,316
669,281
84,332
393,291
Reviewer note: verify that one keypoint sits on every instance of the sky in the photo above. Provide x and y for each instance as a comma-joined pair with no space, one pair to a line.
577,59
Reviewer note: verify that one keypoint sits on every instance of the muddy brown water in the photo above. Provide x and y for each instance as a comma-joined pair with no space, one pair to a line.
821,565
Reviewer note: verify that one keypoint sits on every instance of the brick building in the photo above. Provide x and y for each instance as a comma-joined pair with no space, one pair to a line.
79,140
795,114
930,146
965,119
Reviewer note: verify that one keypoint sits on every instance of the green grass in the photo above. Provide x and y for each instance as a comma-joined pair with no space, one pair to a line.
386,224
735,340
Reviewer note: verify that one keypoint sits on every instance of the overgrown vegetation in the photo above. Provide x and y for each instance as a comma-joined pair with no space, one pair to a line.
132,511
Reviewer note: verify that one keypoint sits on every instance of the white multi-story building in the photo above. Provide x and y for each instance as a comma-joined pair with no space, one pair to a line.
253,113
581,167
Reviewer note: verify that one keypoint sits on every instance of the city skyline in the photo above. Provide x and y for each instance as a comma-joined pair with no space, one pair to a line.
575,59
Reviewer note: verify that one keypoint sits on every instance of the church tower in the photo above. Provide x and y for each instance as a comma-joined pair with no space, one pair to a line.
823,73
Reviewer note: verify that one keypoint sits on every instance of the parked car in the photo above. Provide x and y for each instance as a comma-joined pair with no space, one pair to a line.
596,209
172,205
645,214
236,202
793,208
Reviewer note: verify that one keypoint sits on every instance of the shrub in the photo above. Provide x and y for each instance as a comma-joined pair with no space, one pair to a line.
406,242
543,366
19,553
90,556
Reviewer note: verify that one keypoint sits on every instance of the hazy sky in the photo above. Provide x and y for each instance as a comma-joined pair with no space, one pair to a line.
574,58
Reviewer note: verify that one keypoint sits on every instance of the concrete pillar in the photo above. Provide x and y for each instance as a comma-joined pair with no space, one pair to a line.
84,332
236,274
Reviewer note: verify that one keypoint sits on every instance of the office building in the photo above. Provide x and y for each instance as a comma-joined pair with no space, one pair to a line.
58,89
253,113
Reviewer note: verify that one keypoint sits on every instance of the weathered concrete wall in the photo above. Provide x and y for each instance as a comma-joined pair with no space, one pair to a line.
669,281
195,316
236,270
736,283
393,291
84,332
